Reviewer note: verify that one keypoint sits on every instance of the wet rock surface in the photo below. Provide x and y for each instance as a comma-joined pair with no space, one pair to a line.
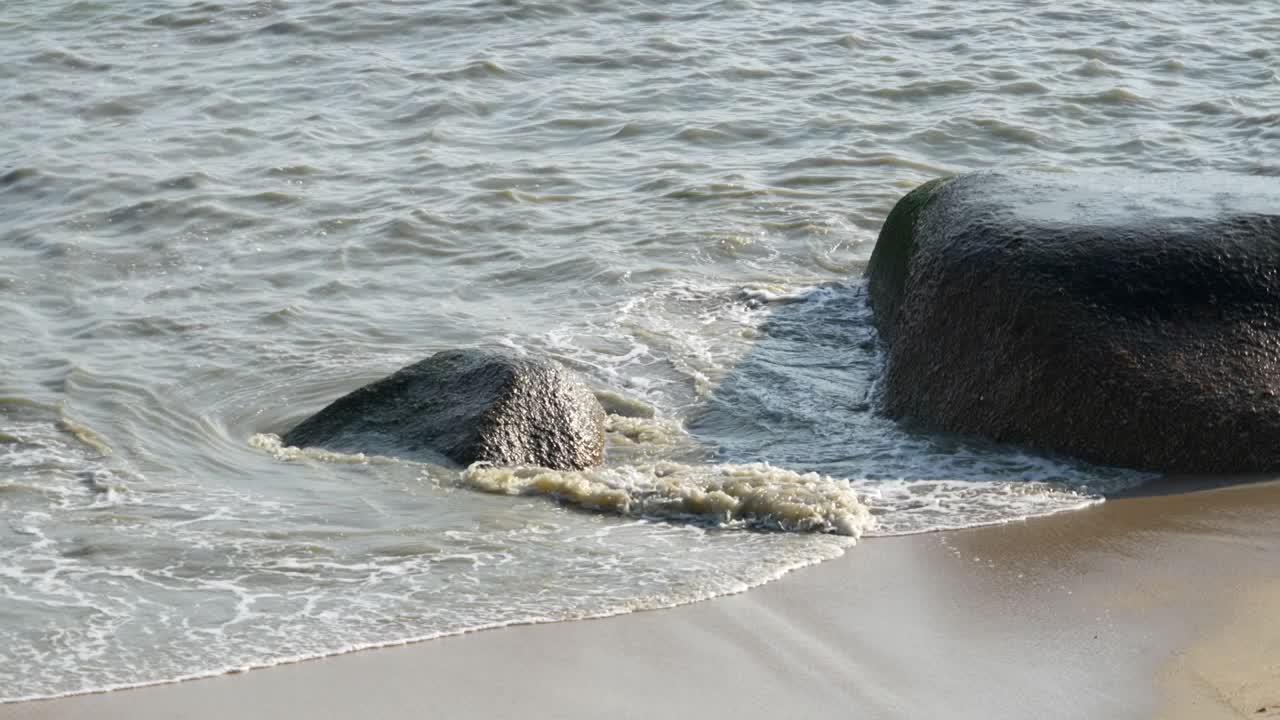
1125,319
469,406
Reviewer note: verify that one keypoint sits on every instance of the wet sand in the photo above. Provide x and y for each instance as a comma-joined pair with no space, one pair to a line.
1153,605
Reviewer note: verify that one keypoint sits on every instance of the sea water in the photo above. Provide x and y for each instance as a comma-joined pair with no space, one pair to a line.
217,217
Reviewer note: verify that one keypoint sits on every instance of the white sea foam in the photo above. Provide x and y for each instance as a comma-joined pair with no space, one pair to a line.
904,507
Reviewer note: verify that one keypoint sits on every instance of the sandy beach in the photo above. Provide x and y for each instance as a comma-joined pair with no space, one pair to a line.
1154,605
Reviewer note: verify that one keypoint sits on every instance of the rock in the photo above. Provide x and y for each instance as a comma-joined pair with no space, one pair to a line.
1126,319
468,405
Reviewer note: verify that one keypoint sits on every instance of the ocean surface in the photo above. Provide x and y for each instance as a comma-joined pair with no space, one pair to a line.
217,218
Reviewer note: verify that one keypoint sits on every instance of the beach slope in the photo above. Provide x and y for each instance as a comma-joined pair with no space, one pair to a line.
1154,605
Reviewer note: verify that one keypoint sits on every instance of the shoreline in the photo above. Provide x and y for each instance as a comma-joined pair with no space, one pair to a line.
1148,605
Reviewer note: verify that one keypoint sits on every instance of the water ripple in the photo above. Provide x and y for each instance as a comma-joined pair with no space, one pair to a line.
219,216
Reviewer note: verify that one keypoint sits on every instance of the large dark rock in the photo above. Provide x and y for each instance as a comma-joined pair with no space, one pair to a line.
467,405
1131,320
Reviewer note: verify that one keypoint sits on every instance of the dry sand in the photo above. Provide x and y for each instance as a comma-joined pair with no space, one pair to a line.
1145,606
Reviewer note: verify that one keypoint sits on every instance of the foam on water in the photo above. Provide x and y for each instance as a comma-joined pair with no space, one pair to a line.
718,417
272,444
116,580
789,374
755,495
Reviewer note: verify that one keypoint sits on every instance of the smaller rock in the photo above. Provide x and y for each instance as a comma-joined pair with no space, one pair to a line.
468,405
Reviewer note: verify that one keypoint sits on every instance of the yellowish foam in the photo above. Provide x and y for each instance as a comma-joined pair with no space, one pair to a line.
86,435
756,495
639,430
271,443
